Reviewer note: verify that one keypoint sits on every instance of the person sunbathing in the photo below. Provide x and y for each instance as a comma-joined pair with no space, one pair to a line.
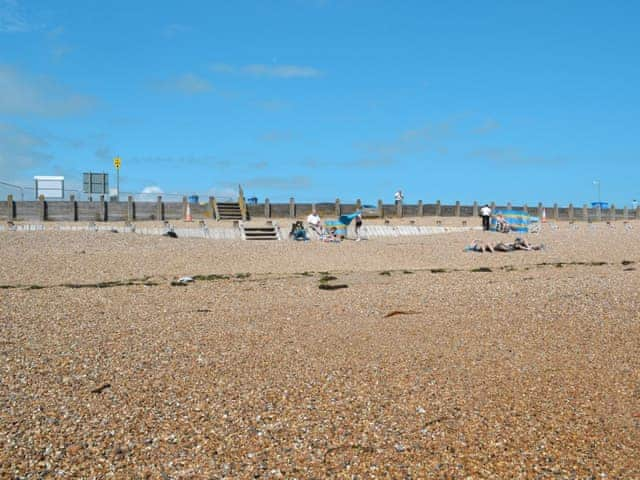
503,247
522,244
478,246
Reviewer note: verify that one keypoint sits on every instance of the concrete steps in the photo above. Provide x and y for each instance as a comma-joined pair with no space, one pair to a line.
228,211
266,232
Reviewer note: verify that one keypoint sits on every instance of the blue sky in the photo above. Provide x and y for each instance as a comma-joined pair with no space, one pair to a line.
474,100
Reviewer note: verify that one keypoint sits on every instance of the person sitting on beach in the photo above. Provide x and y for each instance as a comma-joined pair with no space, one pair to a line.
330,236
502,225
298,231
314,222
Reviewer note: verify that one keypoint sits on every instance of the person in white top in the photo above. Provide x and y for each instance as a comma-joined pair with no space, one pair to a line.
398,196
485,212
314,222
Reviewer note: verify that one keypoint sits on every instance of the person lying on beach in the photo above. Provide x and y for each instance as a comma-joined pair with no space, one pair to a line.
518,244
504,247
522,244
478,246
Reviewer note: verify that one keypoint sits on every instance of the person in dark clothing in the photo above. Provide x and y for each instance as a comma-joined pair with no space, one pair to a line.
485,212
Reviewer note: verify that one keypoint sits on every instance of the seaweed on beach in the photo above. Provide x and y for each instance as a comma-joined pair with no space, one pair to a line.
400,312
326,286
481,269
386,272
327,278
627,262
210,277
438,270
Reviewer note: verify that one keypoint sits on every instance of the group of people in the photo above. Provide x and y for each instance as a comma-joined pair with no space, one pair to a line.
299,232
517,244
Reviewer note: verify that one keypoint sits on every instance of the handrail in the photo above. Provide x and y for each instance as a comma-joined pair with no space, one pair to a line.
15,186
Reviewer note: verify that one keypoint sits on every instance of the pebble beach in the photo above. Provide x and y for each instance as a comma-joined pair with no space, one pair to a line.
401,357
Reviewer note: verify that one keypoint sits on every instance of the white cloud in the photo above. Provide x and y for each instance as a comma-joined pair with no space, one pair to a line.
263,70
280,183
489,125
410,141
188,83
21,94
149,193
175,29
12,17
20,150
513,156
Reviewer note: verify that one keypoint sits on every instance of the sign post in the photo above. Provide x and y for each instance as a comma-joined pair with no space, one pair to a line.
116,163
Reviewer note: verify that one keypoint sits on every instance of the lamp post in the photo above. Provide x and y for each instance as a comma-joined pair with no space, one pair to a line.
597,183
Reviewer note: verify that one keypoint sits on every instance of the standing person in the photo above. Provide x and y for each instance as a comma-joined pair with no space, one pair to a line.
486,216
399,196
358,226
314,222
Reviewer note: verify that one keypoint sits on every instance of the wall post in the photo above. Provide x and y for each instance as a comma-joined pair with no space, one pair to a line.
338,210
159,208
399,208
42,208
625,213
420,209
103,209
267,208
130,209
612,212
475,208
599,212
74,208
585,212
492,206
381,208
358,204
637,212
212,207
525,208
540,210
508,205
292,208
571,214
556,212
457,209
438,209
185,201
11,208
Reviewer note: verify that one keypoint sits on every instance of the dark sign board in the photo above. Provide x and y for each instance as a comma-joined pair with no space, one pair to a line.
95,183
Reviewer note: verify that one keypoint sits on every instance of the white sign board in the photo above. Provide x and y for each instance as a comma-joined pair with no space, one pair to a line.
50,187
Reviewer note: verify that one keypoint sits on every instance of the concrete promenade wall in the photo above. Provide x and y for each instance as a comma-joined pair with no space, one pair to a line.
130,210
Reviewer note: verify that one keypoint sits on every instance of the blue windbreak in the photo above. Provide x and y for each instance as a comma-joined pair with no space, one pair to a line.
518,221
